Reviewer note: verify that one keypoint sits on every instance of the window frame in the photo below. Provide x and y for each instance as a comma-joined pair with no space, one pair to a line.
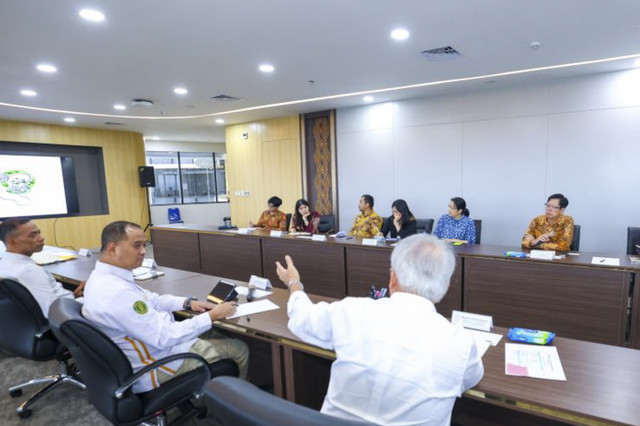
180,180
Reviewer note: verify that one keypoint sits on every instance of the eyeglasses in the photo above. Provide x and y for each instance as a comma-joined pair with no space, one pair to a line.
549,206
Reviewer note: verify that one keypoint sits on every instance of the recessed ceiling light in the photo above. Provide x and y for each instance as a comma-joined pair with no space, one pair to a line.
70,119
91,15
155,138
399,34
46,68
219,121
266,68
180,91
119,107
28,92
368,98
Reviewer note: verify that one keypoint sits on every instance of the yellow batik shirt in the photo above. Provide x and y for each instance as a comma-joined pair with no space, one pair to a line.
367,226
562,229
276,221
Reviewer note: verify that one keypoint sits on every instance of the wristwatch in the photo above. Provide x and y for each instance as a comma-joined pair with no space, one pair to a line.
295,282
187,303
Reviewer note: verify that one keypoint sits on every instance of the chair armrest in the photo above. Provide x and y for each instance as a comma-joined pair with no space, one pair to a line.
159,363
44,330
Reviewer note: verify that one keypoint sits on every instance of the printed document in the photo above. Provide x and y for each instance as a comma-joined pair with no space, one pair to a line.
541,362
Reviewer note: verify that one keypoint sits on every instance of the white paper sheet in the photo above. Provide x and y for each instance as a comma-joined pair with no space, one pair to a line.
48,257
542,362
483,336
483,347
484,340
142,273
611,261
254,308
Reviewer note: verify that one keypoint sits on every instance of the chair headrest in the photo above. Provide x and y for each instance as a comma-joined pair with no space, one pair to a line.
22,297
236,401
62,310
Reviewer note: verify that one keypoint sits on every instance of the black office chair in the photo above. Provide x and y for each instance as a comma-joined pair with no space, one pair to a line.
327,223
478,224
288,220
575,242
108,375
633,239
424,226
25,332
236,402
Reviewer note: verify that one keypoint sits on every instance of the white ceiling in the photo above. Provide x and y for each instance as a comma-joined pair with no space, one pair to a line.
145,48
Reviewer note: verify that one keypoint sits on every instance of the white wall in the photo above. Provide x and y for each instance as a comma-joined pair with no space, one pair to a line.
504,150
201,214
185,146
206,214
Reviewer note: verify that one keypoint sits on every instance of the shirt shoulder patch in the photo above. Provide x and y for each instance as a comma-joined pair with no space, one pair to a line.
140,307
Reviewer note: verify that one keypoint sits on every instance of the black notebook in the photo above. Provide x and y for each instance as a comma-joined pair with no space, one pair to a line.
223,291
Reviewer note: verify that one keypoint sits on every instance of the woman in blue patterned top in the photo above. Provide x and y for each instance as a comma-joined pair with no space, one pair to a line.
456,226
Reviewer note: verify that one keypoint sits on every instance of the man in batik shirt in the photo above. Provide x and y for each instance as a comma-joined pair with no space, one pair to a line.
552,230
272,218
368,223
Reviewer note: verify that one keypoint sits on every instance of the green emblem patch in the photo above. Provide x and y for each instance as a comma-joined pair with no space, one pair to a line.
140,307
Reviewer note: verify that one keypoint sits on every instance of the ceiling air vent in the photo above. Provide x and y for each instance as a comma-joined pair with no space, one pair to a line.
144,103
113,123
224,98
441,54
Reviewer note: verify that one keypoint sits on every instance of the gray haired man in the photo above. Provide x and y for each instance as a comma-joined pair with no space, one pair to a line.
397,360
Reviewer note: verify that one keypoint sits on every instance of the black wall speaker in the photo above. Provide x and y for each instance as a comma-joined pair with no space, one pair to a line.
147,177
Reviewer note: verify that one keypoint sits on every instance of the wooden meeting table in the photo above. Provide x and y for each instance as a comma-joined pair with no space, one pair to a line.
601,388
570,296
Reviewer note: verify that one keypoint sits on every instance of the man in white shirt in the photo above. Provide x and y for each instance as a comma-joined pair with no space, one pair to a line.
22,238
141,322
398,362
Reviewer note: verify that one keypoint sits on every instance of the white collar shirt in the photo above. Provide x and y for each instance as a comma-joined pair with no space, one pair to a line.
40,283
139,321
398,362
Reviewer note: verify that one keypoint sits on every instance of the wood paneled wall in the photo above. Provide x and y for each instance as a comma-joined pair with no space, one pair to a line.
267,163
123,152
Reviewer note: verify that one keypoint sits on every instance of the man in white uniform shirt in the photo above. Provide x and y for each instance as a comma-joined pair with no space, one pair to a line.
398,362
22,238
141,322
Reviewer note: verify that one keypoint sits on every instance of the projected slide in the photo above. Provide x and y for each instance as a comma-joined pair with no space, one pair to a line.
31,186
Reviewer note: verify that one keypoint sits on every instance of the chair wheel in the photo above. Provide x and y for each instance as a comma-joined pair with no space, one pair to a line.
25,414
202,412
15,393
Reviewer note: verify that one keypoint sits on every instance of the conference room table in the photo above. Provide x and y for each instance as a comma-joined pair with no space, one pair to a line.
569,295
601,387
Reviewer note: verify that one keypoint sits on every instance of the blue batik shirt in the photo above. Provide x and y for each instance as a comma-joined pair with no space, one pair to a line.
460,229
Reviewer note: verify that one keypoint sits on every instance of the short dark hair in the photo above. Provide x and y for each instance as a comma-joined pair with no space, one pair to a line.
115,231
275,201
10,225
562,200
368,199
